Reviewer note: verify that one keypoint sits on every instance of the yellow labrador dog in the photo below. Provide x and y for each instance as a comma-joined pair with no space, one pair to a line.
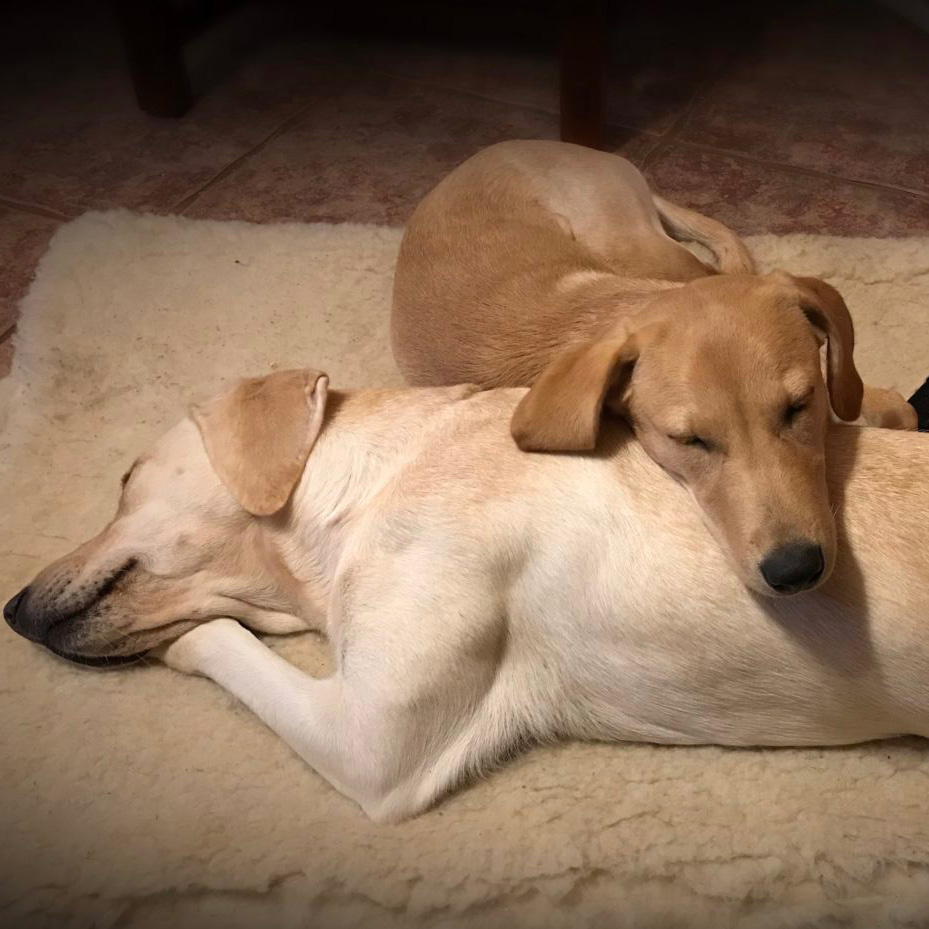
479,599
549,264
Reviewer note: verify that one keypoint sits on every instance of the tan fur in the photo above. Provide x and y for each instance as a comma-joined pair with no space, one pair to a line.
882,407
269,419
532,261
826,310
562,410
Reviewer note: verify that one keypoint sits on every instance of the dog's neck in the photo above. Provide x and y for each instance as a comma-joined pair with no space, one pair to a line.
595,301
367,438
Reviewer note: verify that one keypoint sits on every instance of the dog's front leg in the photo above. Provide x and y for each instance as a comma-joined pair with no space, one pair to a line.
313,716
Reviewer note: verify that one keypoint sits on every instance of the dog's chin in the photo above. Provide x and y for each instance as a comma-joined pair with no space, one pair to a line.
78,648
95,661
760,588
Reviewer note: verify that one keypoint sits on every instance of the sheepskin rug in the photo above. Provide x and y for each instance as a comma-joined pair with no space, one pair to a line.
142,798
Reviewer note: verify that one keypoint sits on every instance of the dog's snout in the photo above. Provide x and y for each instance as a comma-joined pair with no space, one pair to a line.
793,567
12,608
22,617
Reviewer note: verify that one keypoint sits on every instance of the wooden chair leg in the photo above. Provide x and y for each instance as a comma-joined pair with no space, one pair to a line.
583,65
154,41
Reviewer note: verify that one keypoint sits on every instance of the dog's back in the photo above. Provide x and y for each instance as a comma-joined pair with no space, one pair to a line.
526,248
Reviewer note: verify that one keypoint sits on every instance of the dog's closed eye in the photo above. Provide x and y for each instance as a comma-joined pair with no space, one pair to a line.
125,478
794,408
792,411
693,441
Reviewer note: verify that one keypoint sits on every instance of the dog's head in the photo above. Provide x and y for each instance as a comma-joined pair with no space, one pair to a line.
194,534
722,382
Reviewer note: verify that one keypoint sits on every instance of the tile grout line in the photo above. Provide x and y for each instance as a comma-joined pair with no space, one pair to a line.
224,172
656,142
288,124
662,140
419,82
34,209
701,92
800,169
535,108
701,96
191,198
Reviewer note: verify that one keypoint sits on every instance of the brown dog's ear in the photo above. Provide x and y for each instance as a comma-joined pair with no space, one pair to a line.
826,310
258,436
561,412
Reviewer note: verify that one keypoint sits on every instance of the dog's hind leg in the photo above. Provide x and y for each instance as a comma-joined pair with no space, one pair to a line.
688,225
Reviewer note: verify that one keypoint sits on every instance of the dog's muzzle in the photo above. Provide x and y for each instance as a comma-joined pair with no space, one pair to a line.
35,624
22,620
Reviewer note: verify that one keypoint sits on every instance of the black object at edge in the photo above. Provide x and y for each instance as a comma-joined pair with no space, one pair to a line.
920,402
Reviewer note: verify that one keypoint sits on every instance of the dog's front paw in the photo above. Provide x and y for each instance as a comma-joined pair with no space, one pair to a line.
887,409
191,653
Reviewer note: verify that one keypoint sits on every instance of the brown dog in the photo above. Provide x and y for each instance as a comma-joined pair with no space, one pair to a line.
549,264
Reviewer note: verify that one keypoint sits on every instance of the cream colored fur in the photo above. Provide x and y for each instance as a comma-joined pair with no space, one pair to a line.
648,836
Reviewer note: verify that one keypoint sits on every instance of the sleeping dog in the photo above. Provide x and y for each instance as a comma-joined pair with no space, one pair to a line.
547,264
479,599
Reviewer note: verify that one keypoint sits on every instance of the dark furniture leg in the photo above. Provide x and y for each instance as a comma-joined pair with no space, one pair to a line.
583,62
154,41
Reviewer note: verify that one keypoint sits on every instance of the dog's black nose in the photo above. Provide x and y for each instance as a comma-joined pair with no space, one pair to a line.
793,567
12,605
22,617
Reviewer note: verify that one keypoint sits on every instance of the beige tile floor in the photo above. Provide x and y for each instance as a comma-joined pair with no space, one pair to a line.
813,120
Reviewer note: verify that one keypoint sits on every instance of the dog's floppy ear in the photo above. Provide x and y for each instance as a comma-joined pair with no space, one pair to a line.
561,412
259,435
826,310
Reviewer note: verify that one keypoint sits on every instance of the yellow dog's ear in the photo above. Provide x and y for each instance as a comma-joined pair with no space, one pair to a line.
259,435
561,412
824,307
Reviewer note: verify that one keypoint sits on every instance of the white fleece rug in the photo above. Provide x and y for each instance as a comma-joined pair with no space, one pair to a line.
140,798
